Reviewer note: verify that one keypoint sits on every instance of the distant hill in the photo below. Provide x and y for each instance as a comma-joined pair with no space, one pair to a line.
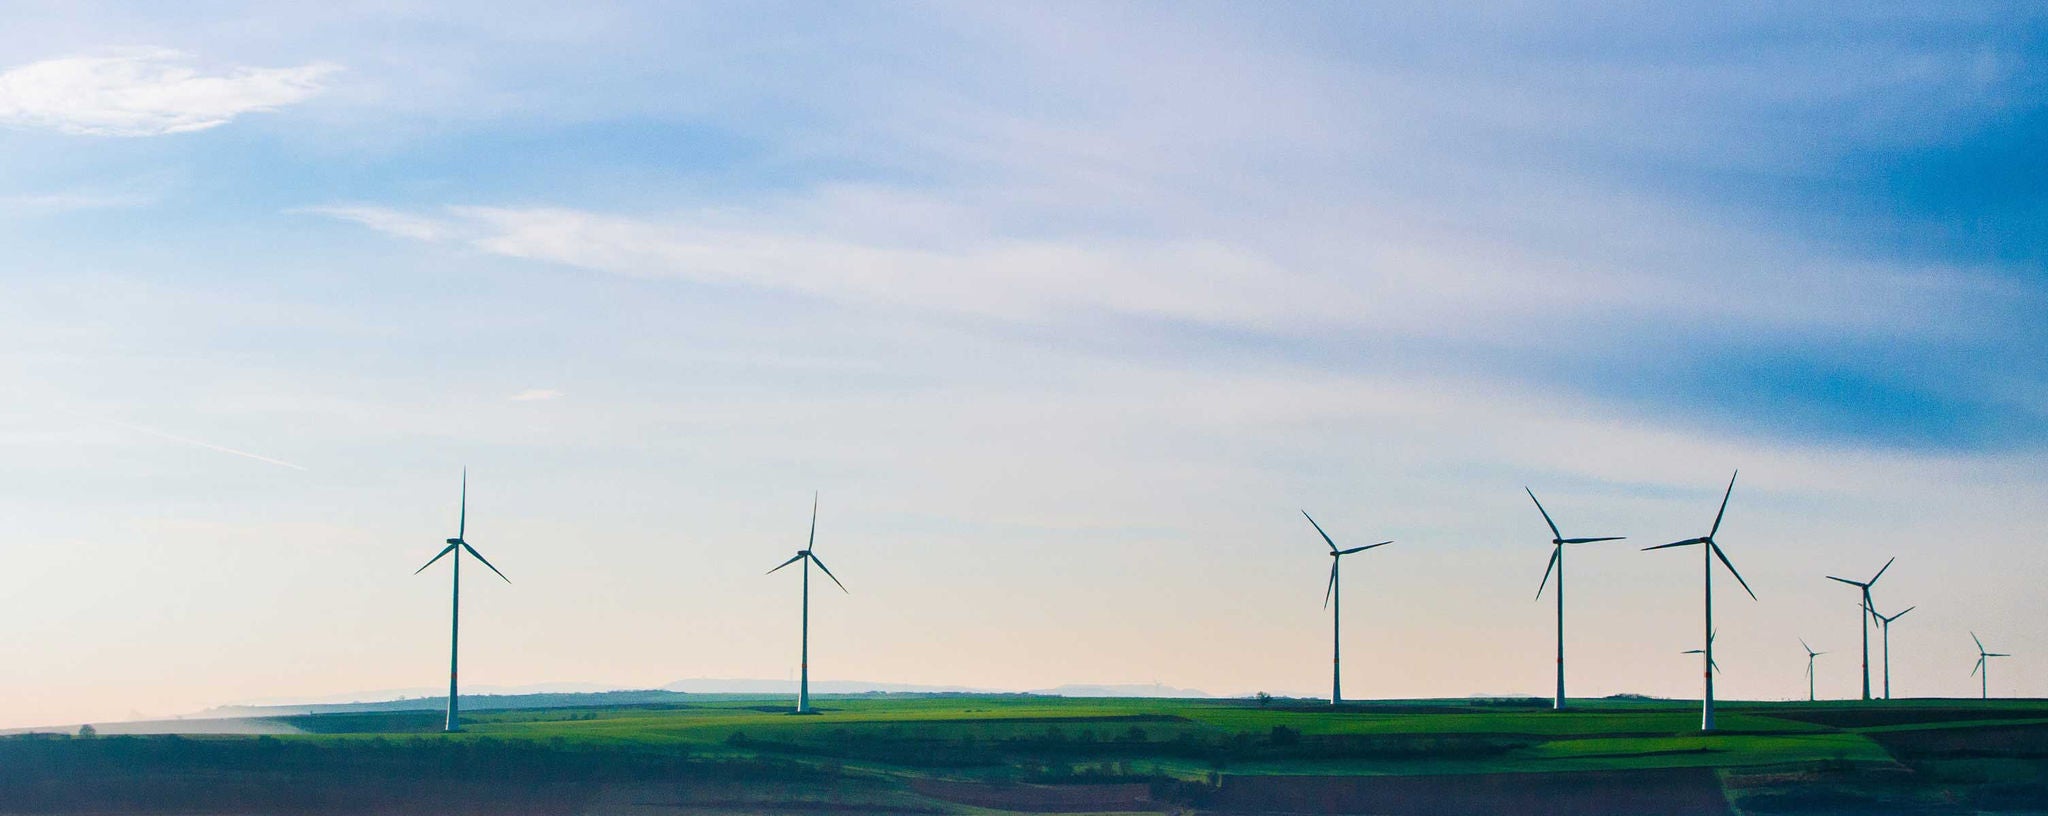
681,692
1122,690
470,702
778,687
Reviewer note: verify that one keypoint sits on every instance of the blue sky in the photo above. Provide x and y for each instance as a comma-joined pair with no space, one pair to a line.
1066,311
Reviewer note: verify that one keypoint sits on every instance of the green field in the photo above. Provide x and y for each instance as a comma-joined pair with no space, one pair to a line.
982,753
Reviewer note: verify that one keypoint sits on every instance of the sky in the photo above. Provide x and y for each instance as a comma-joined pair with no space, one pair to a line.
1066,311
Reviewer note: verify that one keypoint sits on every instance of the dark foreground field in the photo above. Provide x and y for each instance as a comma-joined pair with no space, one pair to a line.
981,754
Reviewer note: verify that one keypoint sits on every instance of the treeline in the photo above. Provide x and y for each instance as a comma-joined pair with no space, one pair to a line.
44,774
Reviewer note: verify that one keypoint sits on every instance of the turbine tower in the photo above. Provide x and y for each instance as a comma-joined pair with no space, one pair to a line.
1557,542
1983,663
1886,625
457,546
1333,601
1810,655
803,687
1708,552
1864,622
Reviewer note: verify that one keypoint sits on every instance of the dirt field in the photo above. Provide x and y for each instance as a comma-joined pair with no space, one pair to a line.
1039,798
1675,792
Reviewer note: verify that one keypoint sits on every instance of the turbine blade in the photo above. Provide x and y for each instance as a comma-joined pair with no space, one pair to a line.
1849,582
1980,644
1319,529
1724,505
1802,645
1554,553
792,559
1903,613
487,563
1693,651
1591,540
828,573
1996,654
1546,513
1880,570
1363,549
813,542
1731,569
1331,588
1980,664
462,516
1676,544
430,562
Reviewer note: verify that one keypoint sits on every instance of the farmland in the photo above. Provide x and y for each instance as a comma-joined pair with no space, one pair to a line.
983,753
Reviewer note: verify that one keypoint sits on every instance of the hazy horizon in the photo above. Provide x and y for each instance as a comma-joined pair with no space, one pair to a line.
1067,312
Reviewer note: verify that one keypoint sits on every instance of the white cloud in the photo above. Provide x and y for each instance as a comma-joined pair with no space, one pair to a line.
1388,279
146,92
388,221
537,395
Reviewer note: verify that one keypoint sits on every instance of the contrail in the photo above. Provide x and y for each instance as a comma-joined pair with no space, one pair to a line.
206,445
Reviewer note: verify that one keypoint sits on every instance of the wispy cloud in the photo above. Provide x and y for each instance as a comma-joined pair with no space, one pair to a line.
207,445
537,395
384,220
1427,284
147,92
52,203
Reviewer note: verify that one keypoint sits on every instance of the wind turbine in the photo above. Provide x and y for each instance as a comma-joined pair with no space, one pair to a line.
1886,624
457,546
1557,542
1865,622
1711,665
1810,655
1984,663
803,688
1333,601
1709,552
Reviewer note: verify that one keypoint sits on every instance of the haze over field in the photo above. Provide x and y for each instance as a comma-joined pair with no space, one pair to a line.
1067,312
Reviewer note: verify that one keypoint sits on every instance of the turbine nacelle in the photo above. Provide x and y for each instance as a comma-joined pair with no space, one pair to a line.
1557,542
1336,555
1982,656
806,553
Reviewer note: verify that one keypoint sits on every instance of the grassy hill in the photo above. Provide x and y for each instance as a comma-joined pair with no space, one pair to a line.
974,753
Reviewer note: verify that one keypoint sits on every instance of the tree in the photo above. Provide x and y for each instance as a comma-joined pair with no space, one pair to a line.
86,731
1263,698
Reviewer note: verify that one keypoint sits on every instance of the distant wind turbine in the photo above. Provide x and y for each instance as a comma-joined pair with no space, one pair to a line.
457,546
803,688
1864,622
1333,601
1711,665
1709,552
1557,542
1886,624
1810,655
1984,664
